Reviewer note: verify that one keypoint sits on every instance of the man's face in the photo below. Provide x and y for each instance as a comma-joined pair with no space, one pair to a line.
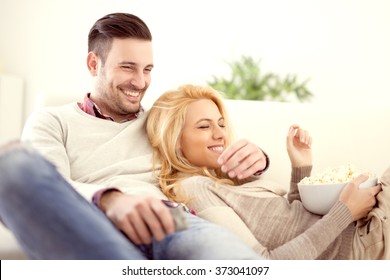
122,81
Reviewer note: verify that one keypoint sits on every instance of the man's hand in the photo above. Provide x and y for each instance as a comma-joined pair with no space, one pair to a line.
139,217
299,146
242,159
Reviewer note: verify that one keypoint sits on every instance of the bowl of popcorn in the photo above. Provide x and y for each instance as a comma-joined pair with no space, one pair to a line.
322,190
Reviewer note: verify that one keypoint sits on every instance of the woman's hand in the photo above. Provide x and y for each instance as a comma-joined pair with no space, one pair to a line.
299,146
359,201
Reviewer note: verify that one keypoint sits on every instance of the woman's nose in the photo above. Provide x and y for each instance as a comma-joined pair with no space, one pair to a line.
218,132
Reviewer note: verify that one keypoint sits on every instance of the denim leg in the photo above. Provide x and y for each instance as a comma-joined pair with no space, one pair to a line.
203,241
49,218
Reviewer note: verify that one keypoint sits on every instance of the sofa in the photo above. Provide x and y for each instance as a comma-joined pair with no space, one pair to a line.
342,134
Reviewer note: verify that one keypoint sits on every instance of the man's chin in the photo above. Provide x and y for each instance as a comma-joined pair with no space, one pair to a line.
134,108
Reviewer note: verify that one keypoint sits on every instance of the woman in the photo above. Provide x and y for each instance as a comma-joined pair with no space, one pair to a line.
189,129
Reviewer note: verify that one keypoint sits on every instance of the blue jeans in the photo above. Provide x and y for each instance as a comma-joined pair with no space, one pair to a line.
51,220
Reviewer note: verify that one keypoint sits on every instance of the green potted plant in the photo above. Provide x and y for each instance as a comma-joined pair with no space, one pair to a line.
247,81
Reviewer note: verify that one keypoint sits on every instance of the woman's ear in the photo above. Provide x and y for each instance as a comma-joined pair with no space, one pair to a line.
92,63
178,150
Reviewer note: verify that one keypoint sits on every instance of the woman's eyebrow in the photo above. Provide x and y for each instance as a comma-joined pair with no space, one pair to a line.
210,120
205,119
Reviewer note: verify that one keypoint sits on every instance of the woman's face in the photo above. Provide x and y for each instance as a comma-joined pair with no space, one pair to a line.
203,137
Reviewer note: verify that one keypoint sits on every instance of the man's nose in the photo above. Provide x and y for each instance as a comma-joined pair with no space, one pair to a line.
138,80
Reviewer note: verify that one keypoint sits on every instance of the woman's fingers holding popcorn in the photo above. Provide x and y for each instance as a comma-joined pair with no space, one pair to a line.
299,146
297,135
304,137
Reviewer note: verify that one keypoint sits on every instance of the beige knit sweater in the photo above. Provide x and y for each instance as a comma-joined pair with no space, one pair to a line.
276,227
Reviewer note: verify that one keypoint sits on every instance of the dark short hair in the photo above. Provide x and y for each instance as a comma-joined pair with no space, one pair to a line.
116,25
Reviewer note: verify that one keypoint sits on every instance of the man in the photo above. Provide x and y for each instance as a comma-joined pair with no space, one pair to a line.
100,147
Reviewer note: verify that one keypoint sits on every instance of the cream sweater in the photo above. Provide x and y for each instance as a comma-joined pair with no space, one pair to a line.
276,227
93,153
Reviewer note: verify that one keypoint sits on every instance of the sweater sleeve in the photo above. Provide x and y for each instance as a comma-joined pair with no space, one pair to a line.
44,132
297,174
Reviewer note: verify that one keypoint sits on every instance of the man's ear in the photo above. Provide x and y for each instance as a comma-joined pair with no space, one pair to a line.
92,63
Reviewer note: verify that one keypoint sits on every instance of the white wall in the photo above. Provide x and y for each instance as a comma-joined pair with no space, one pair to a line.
341,45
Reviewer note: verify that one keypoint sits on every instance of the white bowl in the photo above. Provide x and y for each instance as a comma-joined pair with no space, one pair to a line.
319,199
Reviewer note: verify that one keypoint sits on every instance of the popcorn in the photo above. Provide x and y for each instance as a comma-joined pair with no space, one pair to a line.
334,175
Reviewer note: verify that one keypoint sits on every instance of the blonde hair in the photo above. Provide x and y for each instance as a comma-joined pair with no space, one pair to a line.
164,128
